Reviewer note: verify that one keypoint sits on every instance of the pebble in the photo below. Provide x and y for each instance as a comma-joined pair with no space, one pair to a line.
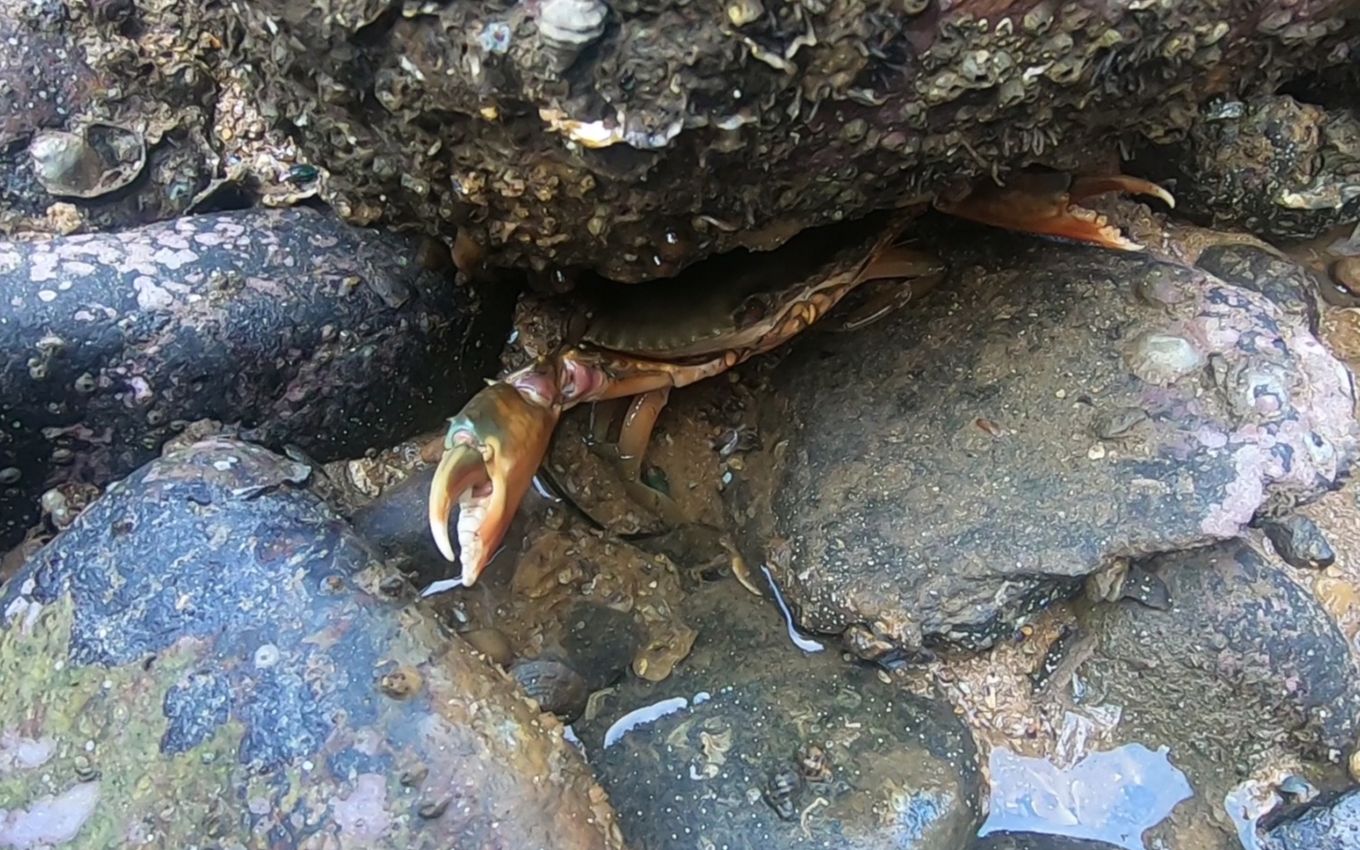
1299,542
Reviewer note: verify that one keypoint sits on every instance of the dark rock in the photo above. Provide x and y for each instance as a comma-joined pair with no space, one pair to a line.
1037,841
205,657
1271,166
1329,823
1300,542
1243,660
76,92
555,686
758,733
908,516
304,330
395,523
796,114
1290,286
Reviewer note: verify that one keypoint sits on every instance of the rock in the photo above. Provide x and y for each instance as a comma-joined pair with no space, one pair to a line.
1331,823
1037,841
1243,661
206,656
305,330
797,114
953,468
1269,165
753,744
110,124
1300,542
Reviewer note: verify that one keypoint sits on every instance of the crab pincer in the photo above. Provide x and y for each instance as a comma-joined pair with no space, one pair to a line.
1047,204
492,451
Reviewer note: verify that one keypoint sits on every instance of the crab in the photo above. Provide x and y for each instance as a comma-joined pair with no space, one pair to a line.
642,341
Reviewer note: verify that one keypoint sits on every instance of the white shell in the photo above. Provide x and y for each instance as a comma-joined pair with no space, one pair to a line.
571,24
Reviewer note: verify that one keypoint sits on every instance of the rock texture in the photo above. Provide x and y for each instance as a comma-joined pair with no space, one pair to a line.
1047,414
1332,823
1270,166
752,744
1245,659
290,323
209,655
571,132
633,137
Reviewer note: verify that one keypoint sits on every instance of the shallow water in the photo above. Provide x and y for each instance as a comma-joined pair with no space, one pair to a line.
1112,795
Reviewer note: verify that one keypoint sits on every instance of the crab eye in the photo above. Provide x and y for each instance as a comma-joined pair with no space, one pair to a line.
752,310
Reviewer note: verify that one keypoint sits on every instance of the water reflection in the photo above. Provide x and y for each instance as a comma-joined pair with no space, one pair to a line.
648,714
1111,796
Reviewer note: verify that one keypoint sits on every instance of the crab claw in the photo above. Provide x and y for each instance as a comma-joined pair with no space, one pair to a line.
1046,204
492,450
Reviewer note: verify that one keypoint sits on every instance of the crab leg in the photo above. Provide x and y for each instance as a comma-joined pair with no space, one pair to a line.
495,445
1045,204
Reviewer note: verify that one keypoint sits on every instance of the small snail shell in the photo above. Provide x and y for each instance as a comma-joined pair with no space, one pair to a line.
556,688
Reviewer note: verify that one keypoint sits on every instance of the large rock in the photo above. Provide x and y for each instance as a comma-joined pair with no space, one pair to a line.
1049,413
291,323
751,743
570,132
1271,166
208,656
1243,659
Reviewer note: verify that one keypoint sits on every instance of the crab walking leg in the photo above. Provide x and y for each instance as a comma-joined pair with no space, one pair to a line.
1044,204
895,278
636,432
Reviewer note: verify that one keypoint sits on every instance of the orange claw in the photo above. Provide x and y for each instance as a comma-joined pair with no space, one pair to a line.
1044,203
491,453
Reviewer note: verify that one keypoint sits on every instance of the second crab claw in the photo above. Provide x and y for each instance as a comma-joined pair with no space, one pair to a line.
491,452
1047,203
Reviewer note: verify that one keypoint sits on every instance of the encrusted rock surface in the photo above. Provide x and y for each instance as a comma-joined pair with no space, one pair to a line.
1270,166
670,129
291,323
1243,672
210,655
1048,413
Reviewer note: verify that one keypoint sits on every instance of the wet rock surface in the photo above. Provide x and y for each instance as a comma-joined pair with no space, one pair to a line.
109,113
1271,166
1242,647
209,654
1048,413
1037,841
300,328
752,743
533,125
1331,823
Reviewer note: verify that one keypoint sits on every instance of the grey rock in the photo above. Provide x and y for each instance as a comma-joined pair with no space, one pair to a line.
1299,541
949,470
306,330
1271,165
775,748
208,659
1330,823
1243,659
1037,841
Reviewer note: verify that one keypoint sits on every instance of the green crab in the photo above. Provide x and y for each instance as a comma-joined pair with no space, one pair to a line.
643,341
